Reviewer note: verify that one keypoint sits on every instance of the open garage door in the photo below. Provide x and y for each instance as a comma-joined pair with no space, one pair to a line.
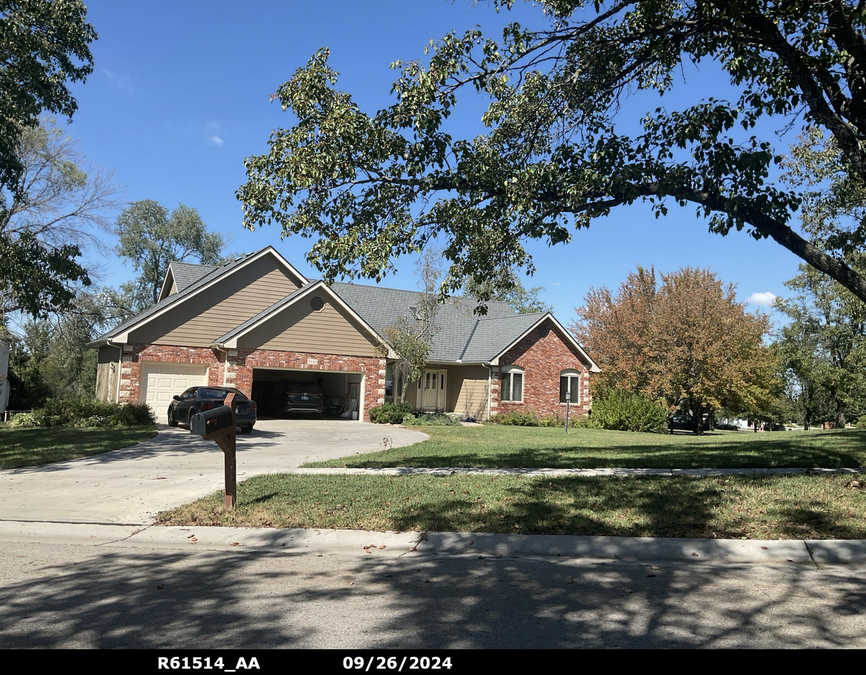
283,392
160,381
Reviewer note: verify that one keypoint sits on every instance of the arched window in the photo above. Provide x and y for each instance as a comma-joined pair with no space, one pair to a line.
511,384
569,381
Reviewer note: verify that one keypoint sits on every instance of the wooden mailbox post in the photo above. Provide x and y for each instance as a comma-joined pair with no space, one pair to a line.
218,424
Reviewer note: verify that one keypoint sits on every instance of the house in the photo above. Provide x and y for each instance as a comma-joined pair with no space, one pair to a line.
257,321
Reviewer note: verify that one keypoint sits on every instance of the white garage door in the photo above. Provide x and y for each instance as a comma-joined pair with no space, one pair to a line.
160,381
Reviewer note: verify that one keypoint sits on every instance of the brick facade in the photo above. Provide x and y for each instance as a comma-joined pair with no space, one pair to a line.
542,355
235,368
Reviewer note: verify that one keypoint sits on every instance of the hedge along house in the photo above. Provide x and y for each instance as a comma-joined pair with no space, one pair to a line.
257,321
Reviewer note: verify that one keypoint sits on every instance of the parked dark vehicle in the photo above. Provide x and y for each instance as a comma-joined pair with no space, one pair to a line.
300,397
776,426
198,399
683,422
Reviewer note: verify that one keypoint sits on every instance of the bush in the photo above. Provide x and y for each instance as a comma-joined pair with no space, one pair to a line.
622,410
22,421
552,421
85,413
516,418
861,423
431,420
390,413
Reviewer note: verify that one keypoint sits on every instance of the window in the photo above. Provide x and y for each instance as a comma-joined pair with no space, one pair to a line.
512,384
569,381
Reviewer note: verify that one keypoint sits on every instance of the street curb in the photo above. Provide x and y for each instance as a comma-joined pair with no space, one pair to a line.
390,544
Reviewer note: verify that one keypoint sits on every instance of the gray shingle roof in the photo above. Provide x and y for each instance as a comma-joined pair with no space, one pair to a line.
462,335
186,274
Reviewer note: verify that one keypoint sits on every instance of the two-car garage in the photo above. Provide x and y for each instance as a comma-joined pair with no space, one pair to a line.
341,390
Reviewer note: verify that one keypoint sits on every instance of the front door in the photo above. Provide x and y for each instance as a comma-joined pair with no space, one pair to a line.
431,390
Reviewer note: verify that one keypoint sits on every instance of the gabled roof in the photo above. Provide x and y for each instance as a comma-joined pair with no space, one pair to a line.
463,336
229,340
198,281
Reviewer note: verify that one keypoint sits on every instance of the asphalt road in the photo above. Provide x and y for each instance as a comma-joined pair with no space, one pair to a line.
112,596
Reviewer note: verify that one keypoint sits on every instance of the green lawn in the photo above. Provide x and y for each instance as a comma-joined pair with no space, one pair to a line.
751,507
494,446
29,447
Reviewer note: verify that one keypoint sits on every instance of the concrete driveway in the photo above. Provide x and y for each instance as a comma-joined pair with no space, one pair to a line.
130,486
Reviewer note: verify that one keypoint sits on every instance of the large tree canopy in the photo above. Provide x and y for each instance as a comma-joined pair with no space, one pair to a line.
152,238
51,212
43,44
686,341
556,155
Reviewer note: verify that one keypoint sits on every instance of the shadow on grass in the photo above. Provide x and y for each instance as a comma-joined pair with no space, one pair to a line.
830,449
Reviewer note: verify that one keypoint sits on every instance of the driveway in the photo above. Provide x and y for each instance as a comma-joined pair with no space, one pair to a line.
131,485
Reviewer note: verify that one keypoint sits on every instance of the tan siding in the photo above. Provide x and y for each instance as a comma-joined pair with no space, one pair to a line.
106,373
300,329
468,388
199,320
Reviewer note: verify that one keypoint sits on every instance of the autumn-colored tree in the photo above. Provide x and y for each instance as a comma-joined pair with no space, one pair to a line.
683,339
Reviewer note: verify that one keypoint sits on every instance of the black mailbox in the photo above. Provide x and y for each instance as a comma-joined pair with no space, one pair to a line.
214,423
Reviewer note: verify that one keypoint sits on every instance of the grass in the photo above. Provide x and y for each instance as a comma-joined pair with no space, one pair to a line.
494,446
31,447
751,507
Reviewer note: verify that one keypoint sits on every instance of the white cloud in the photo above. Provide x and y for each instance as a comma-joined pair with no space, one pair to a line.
215,140
120,82
764,299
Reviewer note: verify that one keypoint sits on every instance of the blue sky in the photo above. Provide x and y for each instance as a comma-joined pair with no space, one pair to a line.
179,97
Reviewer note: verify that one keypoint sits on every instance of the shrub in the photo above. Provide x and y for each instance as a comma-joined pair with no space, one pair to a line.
22,421
861,423
516,418
552,421
390,413
623,410
431,420
85,413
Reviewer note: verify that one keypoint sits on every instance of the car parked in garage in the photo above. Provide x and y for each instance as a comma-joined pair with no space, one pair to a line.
300,397
198,399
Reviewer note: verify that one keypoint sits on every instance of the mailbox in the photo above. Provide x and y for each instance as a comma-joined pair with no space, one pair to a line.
214,423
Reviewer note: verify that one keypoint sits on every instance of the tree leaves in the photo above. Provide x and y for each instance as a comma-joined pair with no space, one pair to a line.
557,155
151,237
682,338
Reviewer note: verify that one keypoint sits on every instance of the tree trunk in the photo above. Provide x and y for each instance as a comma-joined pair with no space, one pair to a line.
841,407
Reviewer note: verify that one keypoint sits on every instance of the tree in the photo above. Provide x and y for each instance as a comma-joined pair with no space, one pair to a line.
685,340
559,152
412,337
152,238
48,215
45,44
826,340
796,346
505,286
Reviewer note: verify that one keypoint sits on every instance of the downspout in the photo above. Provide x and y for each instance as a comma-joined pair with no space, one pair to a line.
225,363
